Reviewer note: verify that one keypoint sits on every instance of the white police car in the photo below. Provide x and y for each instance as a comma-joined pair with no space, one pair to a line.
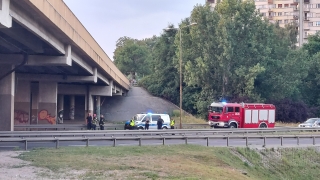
140,120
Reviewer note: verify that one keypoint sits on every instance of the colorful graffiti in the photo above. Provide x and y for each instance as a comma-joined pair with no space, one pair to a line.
21,116
44,115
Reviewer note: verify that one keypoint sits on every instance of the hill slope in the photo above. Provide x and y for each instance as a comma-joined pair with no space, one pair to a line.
121,108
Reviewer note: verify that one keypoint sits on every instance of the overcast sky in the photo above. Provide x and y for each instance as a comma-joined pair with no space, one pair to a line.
108,20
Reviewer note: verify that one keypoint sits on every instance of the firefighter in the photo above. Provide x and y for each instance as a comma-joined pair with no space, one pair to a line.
172,122
94,122
131,124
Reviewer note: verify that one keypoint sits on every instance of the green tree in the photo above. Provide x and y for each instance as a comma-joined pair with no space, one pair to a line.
163,80
131,57
313,45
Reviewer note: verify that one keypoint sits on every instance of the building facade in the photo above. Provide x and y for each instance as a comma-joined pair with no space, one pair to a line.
306,14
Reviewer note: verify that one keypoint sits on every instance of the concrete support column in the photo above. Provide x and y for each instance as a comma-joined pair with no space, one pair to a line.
47,102
72,107
7,99
22,104
88,103
34,103
98,103
60,108
5,18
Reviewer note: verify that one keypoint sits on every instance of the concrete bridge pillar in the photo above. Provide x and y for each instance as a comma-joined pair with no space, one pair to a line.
7,99
5,18
22,102
34,103
98,104
72,107
47,113
60,108
88,103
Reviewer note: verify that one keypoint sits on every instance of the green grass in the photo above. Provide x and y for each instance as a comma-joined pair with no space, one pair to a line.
178,162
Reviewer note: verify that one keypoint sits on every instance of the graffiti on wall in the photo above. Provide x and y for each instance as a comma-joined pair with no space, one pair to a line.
21,116
44,115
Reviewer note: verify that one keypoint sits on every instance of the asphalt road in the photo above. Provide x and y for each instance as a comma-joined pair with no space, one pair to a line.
270,142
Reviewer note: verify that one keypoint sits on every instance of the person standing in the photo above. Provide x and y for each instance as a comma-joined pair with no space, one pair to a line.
146,126
160,123
101,122
131,124
172,122
89,121
94,122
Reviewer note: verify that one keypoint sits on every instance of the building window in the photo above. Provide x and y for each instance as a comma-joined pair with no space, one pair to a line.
263,14
318,23
279,21
279,13
286,21
286,13
286,5
279,5
317,5
310,24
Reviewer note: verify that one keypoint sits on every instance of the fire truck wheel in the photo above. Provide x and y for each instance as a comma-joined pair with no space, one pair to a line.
233,125
263,125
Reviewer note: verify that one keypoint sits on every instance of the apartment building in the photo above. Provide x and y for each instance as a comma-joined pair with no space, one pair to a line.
306,14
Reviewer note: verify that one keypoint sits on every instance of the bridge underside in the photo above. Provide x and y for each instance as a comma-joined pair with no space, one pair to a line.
44,77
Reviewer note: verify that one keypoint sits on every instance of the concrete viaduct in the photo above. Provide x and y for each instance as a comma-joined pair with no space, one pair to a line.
51,69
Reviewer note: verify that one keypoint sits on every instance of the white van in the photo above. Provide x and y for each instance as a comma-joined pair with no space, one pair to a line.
153,118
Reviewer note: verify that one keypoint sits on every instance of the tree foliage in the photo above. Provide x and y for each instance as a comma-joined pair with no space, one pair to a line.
232,53
131,56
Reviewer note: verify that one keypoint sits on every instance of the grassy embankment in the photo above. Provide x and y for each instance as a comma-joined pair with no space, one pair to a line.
176,162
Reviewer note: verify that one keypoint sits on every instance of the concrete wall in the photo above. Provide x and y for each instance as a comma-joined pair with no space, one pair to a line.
34,103
22,102
47,111
6,99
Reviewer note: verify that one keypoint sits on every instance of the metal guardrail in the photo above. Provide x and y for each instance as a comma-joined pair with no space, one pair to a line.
153,132
84,127
139,139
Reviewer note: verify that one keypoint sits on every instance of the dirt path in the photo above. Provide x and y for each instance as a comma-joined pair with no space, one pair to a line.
12,168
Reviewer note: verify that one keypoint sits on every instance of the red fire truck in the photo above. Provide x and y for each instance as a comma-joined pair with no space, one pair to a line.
241,115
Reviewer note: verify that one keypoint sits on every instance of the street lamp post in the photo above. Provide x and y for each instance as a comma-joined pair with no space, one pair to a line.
180,66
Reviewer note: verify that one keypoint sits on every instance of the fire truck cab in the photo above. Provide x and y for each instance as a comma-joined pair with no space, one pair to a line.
241,115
